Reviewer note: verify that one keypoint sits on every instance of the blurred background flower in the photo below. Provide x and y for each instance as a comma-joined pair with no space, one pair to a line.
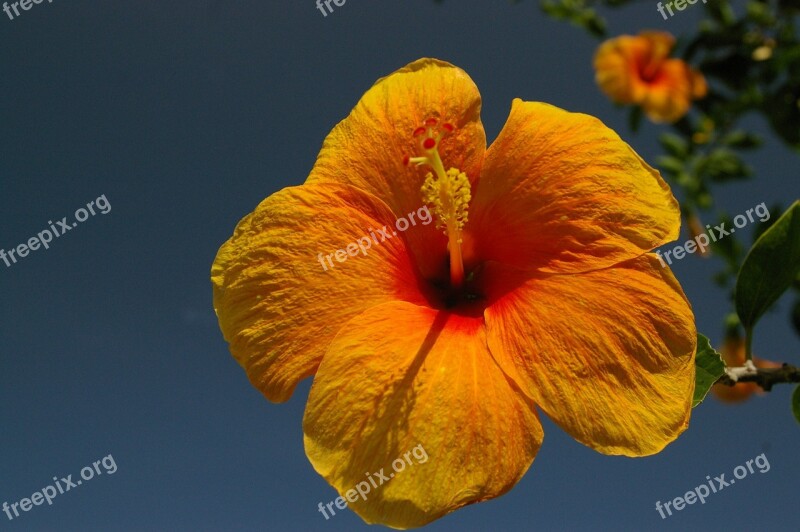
638,70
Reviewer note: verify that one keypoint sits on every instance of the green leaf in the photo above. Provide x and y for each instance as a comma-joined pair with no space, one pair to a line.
762,227
592,22
674,145
730,69
708,368
669,164
760,13
742,140
769,268
722,12
724,165
796,403
783,112
635,118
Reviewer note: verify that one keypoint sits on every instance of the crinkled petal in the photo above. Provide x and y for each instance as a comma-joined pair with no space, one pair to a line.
401,377
608,355
561,192
278,306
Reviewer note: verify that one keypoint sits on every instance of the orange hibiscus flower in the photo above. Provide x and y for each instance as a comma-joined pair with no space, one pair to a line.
536,289
733,354
637,70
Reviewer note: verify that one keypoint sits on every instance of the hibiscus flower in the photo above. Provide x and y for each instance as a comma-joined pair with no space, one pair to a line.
535,288
638,70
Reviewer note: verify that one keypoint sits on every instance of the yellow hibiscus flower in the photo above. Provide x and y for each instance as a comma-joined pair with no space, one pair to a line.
637,70
536,289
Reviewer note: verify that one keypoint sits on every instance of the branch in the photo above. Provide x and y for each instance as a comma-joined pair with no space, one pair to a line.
764,377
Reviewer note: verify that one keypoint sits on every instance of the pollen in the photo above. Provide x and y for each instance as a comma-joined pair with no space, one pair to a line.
449,198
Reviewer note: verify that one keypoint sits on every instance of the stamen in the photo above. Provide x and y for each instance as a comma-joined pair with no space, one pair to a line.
449,198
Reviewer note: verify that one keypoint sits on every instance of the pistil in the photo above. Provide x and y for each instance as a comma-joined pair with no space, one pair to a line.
446,192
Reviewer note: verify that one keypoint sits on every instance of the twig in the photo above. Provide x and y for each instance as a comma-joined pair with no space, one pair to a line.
764,377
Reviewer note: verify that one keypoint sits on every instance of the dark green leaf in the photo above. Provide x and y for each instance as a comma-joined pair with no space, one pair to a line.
731,69
594,24
783,111
742,140
669,164
770,267
760,13
724,165
722,12
762,227
635,118
708,368
674,145
729,249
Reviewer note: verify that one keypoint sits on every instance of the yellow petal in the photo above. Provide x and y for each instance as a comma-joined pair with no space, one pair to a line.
560,192
698,83
608,355
616,65
401,376
278,306
367,148
657,45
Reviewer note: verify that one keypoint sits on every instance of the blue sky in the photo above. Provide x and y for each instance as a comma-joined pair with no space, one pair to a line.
185,115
